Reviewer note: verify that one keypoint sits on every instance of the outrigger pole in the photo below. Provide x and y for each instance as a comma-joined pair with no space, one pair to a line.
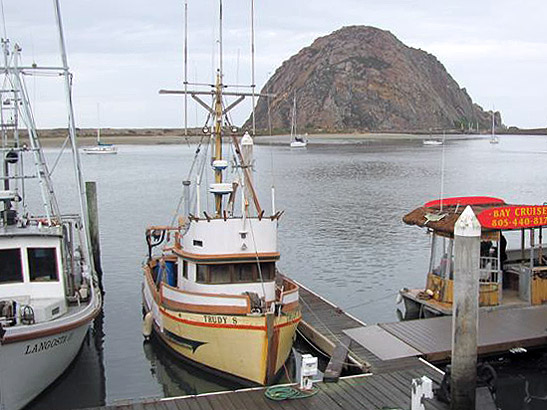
72,133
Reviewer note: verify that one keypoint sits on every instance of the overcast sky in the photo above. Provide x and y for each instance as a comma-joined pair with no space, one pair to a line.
123,52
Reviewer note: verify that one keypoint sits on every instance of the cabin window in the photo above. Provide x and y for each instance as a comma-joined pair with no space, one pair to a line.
235,273
201,274
198,243
185,269
42,264
268,270
220,273
10,266
245,272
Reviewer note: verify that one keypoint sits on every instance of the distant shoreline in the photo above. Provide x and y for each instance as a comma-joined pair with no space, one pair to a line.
50,138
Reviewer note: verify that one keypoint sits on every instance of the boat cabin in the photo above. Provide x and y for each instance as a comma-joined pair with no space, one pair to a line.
32,289
516,276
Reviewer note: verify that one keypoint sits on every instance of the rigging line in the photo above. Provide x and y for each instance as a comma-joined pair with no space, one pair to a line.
325,325
326,355
371,301
256,255
67,139
181,198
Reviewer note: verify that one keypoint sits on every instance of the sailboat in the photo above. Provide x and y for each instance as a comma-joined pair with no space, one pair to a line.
48,290
297,141
212,292
101,148
493,138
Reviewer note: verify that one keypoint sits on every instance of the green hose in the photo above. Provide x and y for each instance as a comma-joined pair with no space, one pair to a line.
279,393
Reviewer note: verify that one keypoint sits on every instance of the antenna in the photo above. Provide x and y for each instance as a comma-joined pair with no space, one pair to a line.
220,42
253,63
4,30
186,68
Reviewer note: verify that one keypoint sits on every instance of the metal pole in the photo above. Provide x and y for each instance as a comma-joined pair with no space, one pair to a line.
467,231
93,215
72,134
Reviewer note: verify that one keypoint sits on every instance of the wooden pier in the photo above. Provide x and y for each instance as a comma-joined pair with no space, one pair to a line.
390,355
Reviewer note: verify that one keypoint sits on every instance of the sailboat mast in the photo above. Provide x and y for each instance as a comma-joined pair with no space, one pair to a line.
98,124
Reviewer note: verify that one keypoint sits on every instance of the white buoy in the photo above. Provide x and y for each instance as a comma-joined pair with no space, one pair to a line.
147,325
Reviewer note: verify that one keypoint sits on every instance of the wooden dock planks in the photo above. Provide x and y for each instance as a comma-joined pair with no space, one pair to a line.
499,330
350,393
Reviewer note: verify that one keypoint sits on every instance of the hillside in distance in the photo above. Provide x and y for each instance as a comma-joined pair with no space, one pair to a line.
362,78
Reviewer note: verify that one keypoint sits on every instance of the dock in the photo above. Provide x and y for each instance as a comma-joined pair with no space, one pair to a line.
389,355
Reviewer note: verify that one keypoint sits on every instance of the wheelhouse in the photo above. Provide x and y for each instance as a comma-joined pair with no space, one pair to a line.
31,276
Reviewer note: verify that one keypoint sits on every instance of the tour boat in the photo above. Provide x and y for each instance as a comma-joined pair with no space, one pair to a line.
297,140
212,293
48,292
508,278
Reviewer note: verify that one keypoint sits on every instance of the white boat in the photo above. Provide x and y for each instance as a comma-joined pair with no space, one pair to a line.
432,142
48,291
493,137
100,148
297,141
212,293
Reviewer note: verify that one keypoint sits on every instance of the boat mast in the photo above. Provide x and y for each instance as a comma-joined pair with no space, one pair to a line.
72,134
218,119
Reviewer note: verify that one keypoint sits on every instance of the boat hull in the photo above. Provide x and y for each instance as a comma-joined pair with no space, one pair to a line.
239,346
92,151
28,367
298,144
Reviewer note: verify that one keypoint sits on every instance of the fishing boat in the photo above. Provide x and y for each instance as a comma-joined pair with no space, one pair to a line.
48,292
508,277
297,140
493,137
212,292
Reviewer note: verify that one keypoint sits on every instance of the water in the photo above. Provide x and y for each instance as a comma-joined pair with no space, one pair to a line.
342,235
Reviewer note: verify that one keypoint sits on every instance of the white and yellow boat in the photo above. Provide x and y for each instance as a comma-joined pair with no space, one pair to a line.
213,294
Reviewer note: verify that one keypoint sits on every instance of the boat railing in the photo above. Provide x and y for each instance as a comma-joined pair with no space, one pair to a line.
489,269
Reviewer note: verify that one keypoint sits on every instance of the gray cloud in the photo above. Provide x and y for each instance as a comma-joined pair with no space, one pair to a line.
122,52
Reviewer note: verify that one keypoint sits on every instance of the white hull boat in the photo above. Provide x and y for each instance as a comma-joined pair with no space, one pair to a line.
102,149
49,294
297,141
432,142
30,363
299,144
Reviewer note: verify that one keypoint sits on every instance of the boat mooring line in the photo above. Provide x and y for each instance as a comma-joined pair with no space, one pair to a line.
330,303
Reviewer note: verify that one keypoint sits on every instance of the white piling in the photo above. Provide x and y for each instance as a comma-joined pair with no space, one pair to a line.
467,231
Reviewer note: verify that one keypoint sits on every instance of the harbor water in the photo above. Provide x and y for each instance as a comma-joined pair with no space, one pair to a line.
341,235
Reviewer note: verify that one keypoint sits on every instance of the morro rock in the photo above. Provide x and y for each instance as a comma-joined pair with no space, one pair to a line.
364,79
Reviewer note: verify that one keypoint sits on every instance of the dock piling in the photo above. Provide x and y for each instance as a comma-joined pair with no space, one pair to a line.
93,217
467,231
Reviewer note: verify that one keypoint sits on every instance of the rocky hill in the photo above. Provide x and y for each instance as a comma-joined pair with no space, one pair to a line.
364,79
